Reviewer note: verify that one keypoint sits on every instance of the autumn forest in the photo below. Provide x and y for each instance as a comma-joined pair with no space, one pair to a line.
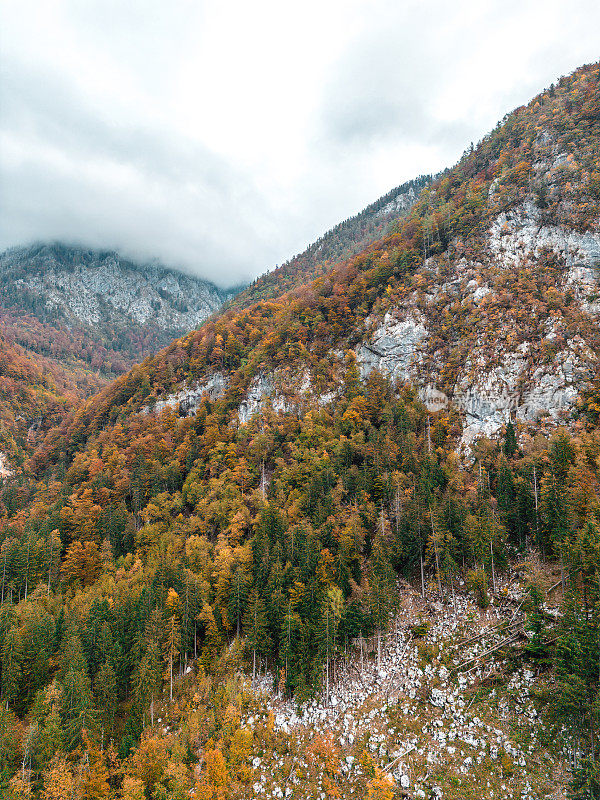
251,503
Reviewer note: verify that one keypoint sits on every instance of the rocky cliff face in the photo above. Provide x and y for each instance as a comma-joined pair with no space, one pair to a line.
89,287
503,368
522,233
500,376
395,347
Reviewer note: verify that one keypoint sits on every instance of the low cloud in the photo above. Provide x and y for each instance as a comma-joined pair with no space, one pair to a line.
222,140
70,174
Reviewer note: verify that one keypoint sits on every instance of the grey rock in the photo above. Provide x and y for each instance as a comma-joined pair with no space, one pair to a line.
520,231
89,287
395,348
187,400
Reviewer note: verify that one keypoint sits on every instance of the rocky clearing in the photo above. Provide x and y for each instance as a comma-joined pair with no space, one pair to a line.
438,719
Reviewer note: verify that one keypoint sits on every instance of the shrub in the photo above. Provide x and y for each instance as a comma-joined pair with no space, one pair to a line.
477,582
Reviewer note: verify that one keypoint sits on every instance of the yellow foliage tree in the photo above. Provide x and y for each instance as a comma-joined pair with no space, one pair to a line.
214,784
132,789
59,783
381,786
94,785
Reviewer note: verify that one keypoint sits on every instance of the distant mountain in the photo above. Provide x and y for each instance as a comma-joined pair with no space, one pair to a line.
97,307
341,242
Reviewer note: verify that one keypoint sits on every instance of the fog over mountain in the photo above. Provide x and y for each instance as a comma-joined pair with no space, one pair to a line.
226,137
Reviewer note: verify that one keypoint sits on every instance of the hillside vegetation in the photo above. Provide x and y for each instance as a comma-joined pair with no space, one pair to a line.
35,394
261,495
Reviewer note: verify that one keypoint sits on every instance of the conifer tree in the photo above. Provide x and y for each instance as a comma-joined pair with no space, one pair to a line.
238,592
77,708
510,441
212,635
330,618
11,667
105,692
256,629
577,699
171,648
147,679
53,549
381,594
49,740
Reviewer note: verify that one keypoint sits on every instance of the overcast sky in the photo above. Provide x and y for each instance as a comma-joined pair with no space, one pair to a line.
223,137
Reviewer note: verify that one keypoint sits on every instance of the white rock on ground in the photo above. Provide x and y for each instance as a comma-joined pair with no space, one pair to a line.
416,716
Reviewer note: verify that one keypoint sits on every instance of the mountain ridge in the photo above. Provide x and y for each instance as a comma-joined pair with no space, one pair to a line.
492,198
335,245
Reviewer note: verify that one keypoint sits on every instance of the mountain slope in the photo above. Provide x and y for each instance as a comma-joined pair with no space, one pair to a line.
257,496
338,244
486,296
97,307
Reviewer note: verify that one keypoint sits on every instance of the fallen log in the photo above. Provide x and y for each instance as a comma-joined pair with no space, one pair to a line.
485,632
503,643
402,755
